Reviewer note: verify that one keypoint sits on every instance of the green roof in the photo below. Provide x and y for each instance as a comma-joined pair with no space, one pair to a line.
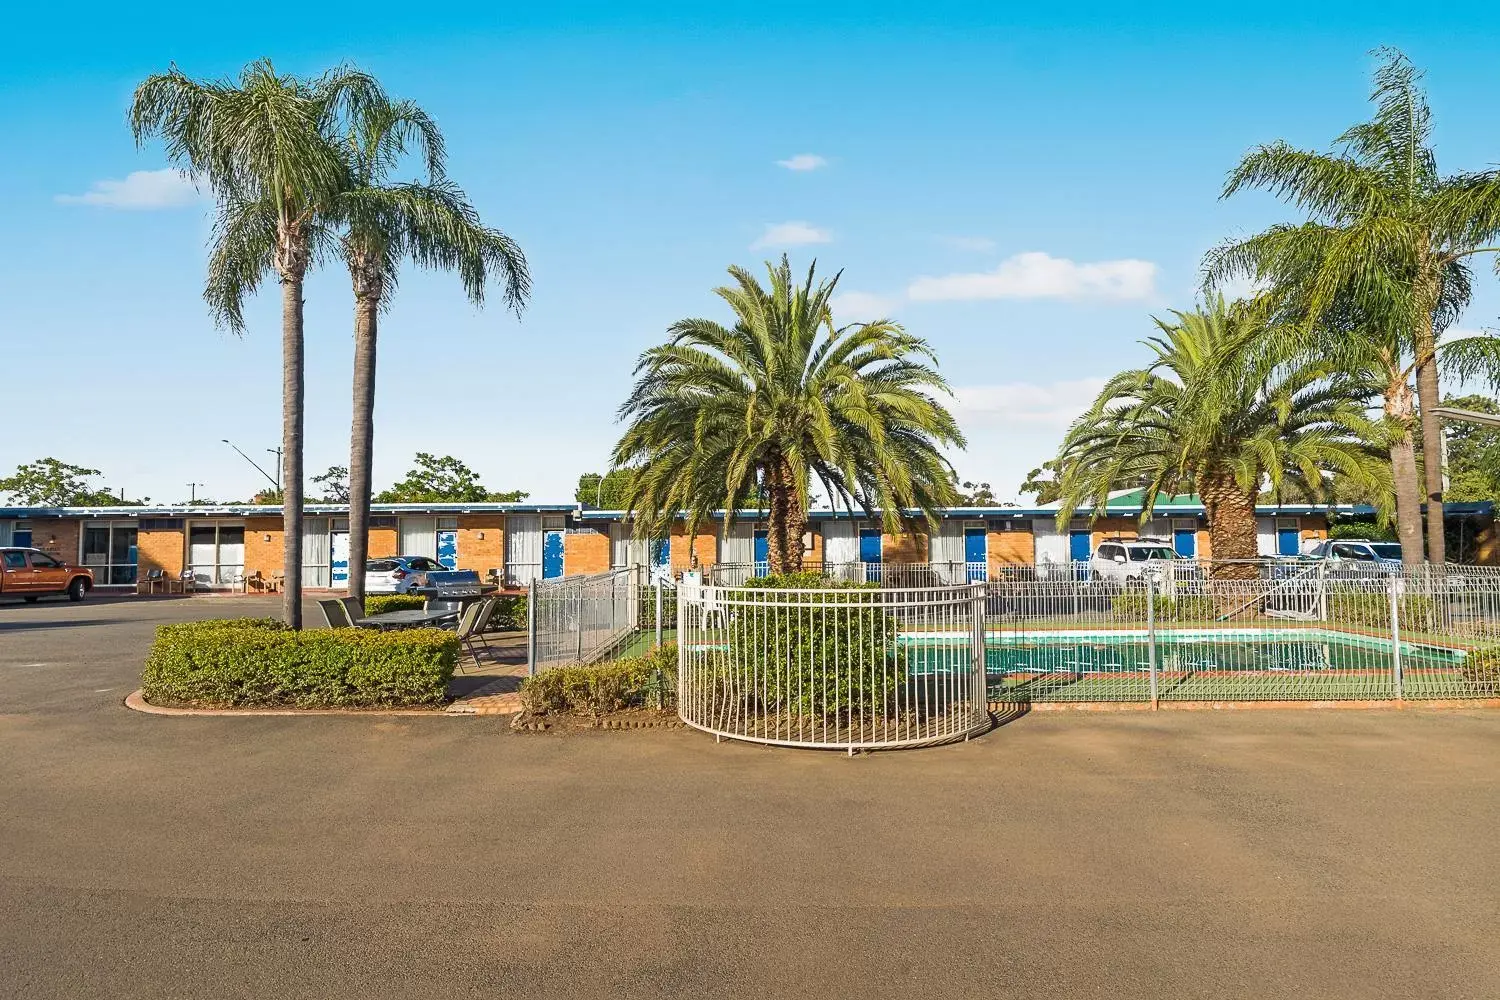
1135,500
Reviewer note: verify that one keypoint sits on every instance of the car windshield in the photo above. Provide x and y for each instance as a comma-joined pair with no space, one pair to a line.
1160,552
379,566
1387,551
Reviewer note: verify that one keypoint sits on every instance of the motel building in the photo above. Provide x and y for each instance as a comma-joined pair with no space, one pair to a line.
238,548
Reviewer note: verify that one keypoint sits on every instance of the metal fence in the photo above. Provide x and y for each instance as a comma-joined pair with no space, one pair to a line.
581,619
1304,632
844,668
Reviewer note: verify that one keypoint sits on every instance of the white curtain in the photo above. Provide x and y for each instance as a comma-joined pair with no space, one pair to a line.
1265,536
739,547
840,542
1051,544
315,552
7,532
948,543
523,548
419,537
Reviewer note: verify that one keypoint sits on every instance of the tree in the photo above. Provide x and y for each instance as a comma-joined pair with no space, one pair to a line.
334,485
48,482
434,226
269,496
1220,412
718,413
1392,235
444,480
261,143
977,495
612,494
1473,453
1043,482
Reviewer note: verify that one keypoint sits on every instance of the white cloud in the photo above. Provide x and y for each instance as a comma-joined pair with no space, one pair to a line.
803,161
1050,404
972,244
1240,287
791,234
141,190
861,307
1038,275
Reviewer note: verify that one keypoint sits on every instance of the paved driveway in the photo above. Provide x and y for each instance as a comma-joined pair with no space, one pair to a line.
1257,854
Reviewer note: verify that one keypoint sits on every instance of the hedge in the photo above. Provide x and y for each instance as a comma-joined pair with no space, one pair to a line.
600,688
833,657
379,604
1373,610
1130,606
259,662
1481,670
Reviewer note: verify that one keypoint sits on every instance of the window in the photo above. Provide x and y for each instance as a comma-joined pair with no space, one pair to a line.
1346,551
422,565
15,560
1387,550
1107,551
1142,553
45,561
108,548
21,534
216,552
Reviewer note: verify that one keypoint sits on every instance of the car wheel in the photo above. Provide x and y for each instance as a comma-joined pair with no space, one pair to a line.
30,599
77,589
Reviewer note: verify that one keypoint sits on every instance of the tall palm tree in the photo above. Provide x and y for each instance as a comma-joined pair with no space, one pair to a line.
1388,230
431,224
721,414
261,144
1220,412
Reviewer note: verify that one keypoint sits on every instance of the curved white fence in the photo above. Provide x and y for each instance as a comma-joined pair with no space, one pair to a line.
838,668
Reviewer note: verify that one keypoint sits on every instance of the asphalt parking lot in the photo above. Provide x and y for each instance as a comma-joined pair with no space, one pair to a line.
1240,854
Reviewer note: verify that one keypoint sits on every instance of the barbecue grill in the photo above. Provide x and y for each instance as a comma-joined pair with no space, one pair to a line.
457,585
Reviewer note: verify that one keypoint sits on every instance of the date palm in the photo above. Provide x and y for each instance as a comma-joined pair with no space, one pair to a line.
1389,234
384,224
721,415
261,144
1220,412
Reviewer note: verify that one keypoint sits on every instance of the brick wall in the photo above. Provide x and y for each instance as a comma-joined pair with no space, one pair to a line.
163,550
1314,527
1011,548
58,539
585,552
1111,528
1486,543
483,554
705,547
383,543
261,556
903,547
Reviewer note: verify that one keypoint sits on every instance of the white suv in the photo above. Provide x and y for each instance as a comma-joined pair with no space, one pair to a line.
1127,559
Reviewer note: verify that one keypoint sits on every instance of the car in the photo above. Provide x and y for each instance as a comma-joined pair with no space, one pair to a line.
398,574
31,573
1127,558
1358,550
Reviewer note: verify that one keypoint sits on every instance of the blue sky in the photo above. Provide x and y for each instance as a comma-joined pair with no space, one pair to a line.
1024,189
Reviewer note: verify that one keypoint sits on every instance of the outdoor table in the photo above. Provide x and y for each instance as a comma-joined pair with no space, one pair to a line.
414,618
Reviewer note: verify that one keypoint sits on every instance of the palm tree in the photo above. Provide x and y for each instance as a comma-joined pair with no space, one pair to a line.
719,414
261,145
1389,233
431,224
1220,412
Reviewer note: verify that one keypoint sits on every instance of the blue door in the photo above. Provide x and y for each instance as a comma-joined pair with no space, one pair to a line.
338,547
1288,541
661,553
552,555
869,552
1080,548
976,554
1185,542
762,553
447,549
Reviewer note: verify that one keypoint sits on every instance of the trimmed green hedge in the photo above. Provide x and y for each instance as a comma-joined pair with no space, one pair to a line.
379,604
1481,670
600,688
1373,610
259,662
1130,606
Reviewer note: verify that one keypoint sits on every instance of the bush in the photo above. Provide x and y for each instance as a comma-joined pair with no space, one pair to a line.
259,662
835,657
379,604
1130,606
1373,610
601,688
1481,670
510,613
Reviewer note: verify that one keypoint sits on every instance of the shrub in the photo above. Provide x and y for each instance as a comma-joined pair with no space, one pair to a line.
834,656
379,604
1373,610
600,688
1130,606
510,613
258,662
1481,670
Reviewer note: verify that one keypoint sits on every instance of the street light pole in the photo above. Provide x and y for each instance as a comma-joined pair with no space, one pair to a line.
276,479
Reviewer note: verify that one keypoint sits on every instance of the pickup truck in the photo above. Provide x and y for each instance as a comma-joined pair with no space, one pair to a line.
32,573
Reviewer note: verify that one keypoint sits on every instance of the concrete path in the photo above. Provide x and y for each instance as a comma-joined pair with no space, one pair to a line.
1264,854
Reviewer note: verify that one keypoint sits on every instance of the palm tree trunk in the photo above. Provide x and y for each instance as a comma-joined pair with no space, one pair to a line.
1231,526
1428,400
1398,409
776,521
292,418
794,524
362,435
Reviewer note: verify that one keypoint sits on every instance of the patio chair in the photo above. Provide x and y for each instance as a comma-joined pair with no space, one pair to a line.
278,580
187,581
455,607
153,579
467,628
355,611
334,613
